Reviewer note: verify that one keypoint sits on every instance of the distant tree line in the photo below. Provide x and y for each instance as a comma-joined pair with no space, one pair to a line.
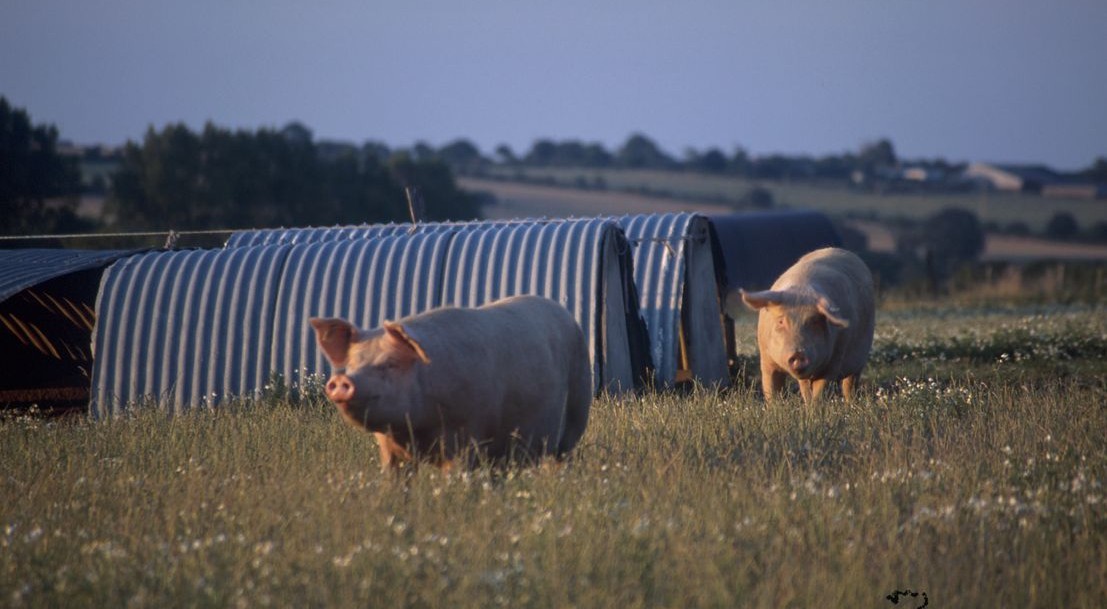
220,178
179,179
641,152
38,186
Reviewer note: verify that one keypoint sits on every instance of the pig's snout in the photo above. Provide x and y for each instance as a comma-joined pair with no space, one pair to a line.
798,362
340,388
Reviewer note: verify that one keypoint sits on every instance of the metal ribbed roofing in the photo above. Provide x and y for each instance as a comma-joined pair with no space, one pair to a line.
185,328
579,264
366,281
665,247
190,328
23,268
674,270
290,236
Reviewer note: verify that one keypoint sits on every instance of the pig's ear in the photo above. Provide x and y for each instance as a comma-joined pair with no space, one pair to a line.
334,337
760,300
408,348
831,313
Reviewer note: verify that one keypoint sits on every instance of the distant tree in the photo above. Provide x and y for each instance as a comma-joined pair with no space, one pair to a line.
771,167
176,179
436,185
595,155
1097,172
157,184
567,153
1017,228
462,155
640,152
1062,225
505,155
378,151
1098,232
542,153
296,133
875,155
757,197
954,235
711,161
38,186
834,167
422,151
949,239
739,162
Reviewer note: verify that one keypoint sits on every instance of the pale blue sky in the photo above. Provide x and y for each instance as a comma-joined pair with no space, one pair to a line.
994,80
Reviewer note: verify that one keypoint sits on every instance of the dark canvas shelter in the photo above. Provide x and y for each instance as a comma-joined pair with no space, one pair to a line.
46,323
757,247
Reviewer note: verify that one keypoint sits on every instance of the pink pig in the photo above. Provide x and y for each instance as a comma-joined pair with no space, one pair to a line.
510,380
815,323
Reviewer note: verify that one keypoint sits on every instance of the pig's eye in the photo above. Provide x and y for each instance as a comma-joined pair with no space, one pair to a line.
780,323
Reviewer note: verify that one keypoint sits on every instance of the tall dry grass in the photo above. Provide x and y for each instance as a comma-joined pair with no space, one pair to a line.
970,477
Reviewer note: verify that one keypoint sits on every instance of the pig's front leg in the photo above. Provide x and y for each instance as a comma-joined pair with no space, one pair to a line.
805,390
772,380
849,383
812,390
393,454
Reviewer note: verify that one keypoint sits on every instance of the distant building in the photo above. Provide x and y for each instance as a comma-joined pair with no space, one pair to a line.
919,173
1012,178
1075,190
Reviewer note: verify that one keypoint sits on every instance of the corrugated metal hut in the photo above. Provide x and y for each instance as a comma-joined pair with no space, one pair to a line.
190,328
675,276
46,321
185,328
366,281
678,285
583,264
560,261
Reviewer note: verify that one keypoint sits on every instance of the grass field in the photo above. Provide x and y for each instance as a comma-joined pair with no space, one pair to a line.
838,200
971,469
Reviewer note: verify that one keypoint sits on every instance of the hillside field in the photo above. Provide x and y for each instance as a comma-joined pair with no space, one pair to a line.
970,470
556,192
834,199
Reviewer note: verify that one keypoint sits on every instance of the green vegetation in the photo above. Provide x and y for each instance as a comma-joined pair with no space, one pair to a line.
38,186
180,180
972,468
993,209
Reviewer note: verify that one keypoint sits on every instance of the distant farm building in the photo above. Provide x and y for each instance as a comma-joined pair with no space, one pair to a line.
1012,178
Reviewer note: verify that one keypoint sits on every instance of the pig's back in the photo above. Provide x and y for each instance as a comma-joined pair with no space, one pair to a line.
826,265
521,337
517,368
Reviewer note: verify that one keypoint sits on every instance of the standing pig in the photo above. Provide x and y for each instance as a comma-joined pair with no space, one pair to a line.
815,323
511,380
